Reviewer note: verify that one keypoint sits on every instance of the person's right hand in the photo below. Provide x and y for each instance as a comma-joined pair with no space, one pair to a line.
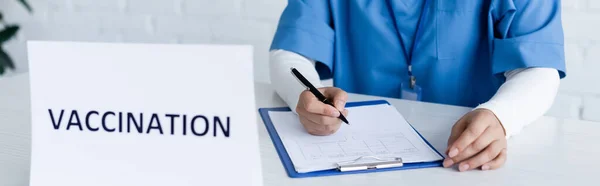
319,118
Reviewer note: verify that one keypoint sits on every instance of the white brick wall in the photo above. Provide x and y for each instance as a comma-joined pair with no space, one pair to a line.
580,91
148,21
591,105
254,22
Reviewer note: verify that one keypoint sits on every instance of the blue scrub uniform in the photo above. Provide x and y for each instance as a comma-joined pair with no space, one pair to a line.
463,49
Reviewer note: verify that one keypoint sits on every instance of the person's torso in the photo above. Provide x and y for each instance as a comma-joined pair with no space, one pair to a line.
451,61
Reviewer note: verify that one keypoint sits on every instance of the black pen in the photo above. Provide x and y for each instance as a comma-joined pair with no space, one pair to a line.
316,92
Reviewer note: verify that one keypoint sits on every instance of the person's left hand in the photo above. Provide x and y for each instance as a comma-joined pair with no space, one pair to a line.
477,140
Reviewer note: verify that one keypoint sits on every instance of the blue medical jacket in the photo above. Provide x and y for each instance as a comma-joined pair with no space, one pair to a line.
464,47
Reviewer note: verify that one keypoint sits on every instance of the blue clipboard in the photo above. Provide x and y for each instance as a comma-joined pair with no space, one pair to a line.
289,167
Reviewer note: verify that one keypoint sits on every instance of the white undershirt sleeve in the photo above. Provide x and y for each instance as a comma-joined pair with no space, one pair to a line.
526,95
282,80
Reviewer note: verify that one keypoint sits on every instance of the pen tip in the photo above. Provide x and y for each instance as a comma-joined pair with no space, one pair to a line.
345,120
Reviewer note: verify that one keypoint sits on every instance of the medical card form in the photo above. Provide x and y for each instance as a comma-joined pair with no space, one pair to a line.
377,131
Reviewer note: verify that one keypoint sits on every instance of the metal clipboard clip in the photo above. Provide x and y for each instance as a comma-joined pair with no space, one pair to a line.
379,163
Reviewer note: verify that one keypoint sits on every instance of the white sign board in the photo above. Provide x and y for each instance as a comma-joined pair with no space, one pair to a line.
142,114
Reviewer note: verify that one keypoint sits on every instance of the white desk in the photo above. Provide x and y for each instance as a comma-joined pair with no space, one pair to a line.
548,152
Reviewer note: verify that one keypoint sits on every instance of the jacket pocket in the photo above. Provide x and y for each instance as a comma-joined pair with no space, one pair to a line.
460,28
457,5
